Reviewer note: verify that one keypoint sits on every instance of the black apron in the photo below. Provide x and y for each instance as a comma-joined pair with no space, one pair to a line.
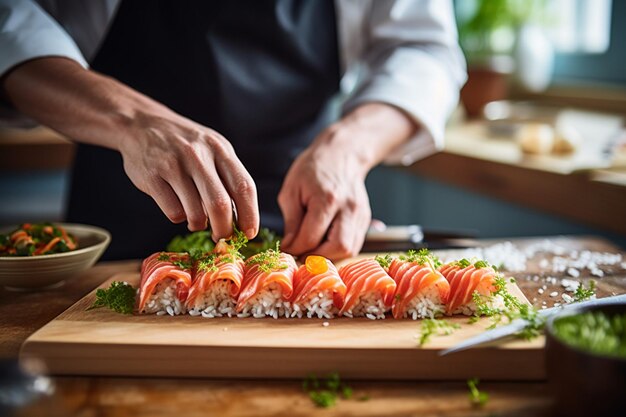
259,72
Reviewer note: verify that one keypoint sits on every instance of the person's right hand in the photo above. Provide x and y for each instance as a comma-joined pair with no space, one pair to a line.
191,172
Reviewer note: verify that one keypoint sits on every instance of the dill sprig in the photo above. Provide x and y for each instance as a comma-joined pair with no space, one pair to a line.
422,257
512,309
384,260
431,327
268,260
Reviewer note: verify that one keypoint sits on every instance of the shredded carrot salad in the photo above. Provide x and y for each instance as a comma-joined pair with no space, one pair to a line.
31,239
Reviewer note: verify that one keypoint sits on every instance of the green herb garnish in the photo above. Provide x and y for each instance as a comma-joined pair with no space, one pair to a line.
582,293
119,297
463,263
512,309
326,393
438,327
176,260
477,398
268,260
422,257
594,332
384,260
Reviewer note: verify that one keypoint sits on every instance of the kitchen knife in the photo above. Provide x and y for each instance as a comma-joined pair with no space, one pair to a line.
518,325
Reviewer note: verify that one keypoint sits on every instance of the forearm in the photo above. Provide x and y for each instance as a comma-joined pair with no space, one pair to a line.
369,133
81,104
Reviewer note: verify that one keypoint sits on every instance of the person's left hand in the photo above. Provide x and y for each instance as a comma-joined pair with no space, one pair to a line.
324,200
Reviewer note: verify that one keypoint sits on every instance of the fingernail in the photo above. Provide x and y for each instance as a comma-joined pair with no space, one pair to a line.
250,233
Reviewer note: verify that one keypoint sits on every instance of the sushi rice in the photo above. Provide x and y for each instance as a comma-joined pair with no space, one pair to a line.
267,302
426,304
370,305
320,305
215,302
163,300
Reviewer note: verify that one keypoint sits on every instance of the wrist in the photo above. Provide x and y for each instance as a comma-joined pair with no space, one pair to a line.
368,133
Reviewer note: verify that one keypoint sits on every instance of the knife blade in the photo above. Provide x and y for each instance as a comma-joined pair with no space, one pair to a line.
518,325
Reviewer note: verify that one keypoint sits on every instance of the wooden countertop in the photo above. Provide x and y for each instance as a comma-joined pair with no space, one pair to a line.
21,313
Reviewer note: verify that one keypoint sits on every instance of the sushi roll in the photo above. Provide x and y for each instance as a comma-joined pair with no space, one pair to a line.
467,281
267,285
165,283
318,289
422,291
216,286
369,290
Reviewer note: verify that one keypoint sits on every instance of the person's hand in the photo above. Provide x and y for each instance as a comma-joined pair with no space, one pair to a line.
191,172
324,200
323,197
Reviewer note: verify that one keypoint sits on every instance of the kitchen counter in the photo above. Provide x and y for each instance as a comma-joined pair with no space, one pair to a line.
21,313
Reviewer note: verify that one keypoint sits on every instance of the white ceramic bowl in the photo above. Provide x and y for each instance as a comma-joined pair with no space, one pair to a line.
48,271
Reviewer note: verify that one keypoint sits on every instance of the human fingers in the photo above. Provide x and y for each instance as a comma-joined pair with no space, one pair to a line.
318,216
342,237
242,189
162,193
190,199
290,206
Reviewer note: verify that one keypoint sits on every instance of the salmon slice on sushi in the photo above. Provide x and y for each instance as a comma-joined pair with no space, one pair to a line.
165,283
369,290
267,285
318,289
422,291
217,280
467,282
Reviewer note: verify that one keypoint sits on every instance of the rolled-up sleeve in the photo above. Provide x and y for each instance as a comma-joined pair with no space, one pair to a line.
28,32
411,60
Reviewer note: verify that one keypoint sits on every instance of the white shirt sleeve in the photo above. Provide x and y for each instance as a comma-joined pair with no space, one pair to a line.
27,32
411,59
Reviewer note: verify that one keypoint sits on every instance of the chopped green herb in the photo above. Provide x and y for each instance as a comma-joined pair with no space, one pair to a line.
422,257
582,293
323,398
512,309
594,332
269,260
384,260
119,297
438,327
326,393
477,398
481,264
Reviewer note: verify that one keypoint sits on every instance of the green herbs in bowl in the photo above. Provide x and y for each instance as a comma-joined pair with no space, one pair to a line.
586,360
594,332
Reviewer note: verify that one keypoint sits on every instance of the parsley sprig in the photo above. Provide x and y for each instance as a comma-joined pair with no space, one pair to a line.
119,297
384,260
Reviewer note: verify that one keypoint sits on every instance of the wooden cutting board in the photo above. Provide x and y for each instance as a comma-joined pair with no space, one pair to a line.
101,342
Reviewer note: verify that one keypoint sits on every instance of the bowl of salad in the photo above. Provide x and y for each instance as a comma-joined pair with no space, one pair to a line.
586,360
45,255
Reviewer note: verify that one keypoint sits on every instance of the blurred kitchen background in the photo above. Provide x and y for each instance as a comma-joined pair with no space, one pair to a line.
537,146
